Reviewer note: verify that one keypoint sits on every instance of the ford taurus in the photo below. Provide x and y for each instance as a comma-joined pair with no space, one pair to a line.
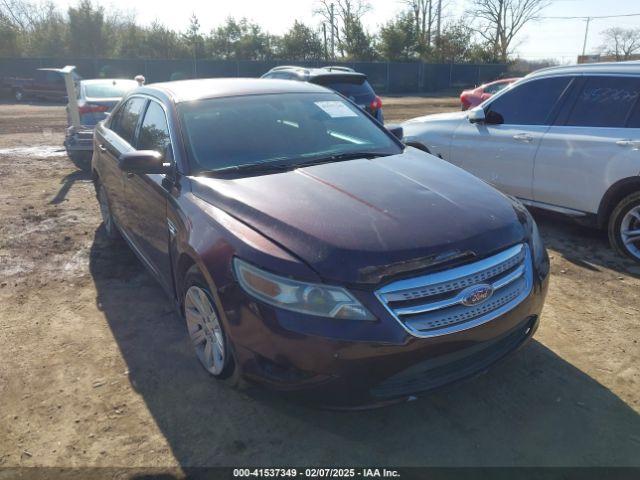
307,248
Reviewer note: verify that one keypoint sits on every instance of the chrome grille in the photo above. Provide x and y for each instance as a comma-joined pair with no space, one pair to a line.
432,305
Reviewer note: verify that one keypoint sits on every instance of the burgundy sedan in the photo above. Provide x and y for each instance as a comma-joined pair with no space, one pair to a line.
474,97
307,248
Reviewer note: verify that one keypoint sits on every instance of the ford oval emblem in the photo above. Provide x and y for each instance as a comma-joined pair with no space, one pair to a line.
477,294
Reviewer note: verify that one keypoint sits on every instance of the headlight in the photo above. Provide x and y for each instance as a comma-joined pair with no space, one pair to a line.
301,297
536,240
537,244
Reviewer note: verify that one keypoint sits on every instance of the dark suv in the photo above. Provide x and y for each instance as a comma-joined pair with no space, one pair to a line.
308,248
343,80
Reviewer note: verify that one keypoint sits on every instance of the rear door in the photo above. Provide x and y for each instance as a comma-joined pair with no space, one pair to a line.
594,142
502,149
112,142
146,196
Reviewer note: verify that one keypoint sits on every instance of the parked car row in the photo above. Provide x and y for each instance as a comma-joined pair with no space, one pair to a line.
311,250
565,139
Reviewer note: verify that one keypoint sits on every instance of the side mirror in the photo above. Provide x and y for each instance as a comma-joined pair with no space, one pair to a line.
143,161
396,131
476,115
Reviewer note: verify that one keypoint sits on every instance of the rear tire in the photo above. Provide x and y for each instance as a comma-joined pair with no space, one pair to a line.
624,227
110,227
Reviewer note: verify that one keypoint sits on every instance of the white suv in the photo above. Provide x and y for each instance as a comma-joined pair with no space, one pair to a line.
565,139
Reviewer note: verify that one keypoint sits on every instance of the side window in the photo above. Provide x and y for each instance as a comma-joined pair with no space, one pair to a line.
527,104
55,78
127,119
40,76
605,102
280,75
634,118
154,133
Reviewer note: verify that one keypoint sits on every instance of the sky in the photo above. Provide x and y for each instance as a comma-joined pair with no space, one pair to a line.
548,38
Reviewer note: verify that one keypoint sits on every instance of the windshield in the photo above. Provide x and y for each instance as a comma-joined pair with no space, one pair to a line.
293,128
108,89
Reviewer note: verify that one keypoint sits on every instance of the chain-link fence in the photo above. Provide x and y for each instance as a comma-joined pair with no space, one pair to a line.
386,77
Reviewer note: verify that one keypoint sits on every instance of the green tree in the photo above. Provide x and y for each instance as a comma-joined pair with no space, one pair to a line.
301,43
9,34
398,39
240,40
193,38
50,33
356,43
161,42
87,30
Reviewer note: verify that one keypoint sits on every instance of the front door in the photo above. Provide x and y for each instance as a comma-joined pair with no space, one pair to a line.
146,197
501,150
112,142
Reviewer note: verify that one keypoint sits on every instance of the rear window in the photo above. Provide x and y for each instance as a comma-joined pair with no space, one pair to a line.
110,89
356,88
605,102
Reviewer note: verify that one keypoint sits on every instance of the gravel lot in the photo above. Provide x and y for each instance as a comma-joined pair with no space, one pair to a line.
96,369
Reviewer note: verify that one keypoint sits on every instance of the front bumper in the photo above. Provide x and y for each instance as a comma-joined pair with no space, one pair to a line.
351,364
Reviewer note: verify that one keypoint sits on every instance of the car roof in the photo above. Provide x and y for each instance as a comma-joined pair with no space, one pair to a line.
106,80
504,80
310,73
49,70
187,90
615,68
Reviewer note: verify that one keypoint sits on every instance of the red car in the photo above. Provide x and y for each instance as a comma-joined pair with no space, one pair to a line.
474,97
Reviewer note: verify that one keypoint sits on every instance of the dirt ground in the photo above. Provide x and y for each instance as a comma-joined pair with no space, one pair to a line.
96,369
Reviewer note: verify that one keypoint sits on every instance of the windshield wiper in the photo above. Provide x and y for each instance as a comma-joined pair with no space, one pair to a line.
338,157
250,167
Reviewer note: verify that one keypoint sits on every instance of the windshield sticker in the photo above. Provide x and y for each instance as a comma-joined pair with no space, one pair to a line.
336,109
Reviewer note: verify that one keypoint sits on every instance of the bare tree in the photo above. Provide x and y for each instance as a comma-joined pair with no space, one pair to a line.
22,14
621,42
347,19
500,21
422,13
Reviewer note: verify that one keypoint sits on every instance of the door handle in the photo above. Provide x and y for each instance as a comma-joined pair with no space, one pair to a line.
102,148
523,137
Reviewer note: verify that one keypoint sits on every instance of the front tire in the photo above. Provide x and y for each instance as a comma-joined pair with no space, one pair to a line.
624,227
208,337
18,94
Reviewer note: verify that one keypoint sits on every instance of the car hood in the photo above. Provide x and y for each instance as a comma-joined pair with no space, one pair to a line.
363,221
437,117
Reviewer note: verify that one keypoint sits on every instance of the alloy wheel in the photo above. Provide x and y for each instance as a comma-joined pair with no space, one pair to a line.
204,329
630,231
